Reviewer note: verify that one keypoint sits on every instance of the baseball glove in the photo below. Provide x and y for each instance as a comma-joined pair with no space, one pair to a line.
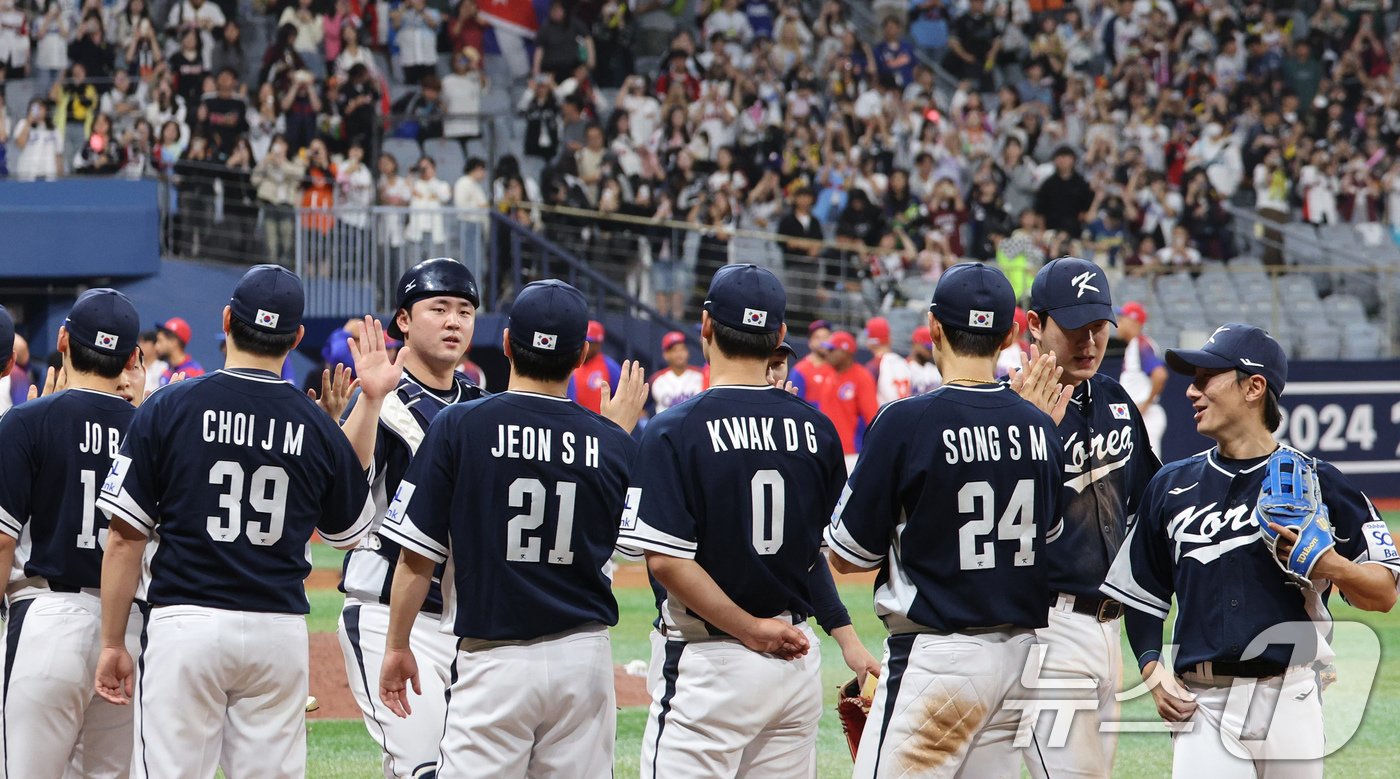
1290,498
853,708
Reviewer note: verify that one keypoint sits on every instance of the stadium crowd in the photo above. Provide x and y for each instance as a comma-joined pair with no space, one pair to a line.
884,150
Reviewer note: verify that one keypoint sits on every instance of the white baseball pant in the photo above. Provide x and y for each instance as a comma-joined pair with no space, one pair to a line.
1252,728
540,708
722,710
940,707
410,745
1155,418
55,724
221,689
1088,654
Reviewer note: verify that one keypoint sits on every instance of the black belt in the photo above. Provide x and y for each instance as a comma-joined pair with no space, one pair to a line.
65,588
1102,609
1257,669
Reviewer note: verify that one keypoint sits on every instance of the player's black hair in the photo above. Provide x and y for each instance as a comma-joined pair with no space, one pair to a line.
88,360
741,345
973,344
542,366
1272,416
257,342
146,337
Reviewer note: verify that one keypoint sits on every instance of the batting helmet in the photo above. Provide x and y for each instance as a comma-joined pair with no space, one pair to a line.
430,278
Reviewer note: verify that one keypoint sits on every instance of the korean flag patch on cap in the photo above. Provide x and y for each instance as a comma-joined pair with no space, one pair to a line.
546,341
755,318
1120,410
105,340
977,318
266,319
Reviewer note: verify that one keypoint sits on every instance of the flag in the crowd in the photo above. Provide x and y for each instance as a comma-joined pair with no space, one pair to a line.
519,16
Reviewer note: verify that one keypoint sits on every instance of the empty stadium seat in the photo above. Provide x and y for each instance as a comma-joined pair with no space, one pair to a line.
448,156
404,150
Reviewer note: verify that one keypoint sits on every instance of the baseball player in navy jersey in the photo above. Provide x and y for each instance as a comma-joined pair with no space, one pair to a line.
220,483
952,502
518,494
57,450
728,500
1108,463
436,318
1196,539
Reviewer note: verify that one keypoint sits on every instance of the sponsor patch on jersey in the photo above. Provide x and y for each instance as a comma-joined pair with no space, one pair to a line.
398,509
267,318
1120,410
1380,545
105,340
755,318
977,318
547,341
629,508
113,484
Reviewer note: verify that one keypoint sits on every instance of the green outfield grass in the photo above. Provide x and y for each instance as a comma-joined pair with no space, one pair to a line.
342,749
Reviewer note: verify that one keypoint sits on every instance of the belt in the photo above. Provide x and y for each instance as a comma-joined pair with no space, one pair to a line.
1101,609
1257,669
65,588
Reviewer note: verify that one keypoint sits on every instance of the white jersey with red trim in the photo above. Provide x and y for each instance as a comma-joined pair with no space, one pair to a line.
669,388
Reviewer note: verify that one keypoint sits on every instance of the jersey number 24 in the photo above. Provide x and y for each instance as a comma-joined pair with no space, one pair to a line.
976,552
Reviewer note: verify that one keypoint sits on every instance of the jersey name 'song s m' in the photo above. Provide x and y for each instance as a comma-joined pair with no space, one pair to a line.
742,480
525,535
368,571
229,474
953,500
1195,538
57,452
1108,462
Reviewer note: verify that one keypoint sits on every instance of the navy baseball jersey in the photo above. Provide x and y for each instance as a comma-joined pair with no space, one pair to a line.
741,480
953,499
519,495
368,572
229,474
1196,538
56,453
1108,462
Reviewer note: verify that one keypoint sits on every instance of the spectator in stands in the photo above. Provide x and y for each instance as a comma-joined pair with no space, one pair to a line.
1064,198
281,60
277,179
195,173
100,154
354,194
318,188
172,339
1179,252
40,145
228,52
333,25
417,27
352,54
561,44
614,35
50,30
541,111
301,106
895,56
187,65
14,41
466,27
75,99
200,15
310,27
92,50
357,105
426,226
123,102
141,49
395,191
224,114
470,192
421,111
462,92
240,223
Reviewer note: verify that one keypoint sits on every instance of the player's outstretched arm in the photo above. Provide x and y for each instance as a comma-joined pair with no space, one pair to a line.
378,376
624,407
1038,380
691,585
400,670
121,568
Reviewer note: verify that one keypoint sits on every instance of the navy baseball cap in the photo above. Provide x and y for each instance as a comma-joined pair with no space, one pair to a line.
748,298
1073,292
105,321
270,298
974,298
7,336
549,316
1238,346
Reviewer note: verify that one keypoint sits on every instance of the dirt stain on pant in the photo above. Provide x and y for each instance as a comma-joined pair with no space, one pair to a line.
949,725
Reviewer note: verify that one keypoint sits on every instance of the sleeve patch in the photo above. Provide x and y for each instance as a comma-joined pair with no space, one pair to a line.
398,509
113,484
1380,545
630,507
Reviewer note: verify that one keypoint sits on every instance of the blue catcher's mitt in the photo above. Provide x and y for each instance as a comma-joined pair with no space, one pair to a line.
1290,498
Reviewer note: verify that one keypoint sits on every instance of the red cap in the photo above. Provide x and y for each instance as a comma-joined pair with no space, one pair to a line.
877,331
1134,310
177,327
1023,324
922,336
842,340
671,339
595,331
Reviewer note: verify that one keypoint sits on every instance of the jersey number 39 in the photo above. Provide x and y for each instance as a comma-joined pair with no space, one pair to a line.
976,552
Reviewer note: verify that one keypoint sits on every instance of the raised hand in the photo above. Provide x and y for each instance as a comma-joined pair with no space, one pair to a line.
337,386
624,407
55,380
1038,380
378,375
